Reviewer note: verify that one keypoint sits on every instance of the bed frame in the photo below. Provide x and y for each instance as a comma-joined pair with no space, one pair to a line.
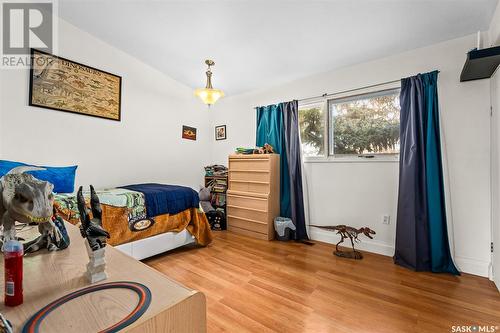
154,245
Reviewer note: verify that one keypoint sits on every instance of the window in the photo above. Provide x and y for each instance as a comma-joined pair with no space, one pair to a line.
312,129
363,125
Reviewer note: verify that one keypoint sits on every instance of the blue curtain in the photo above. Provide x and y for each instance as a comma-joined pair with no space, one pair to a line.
270,130
293,153
277,125
421,231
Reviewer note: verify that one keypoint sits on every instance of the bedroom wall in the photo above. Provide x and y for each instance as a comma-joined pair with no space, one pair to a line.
146,146
494,36
494,30
360,193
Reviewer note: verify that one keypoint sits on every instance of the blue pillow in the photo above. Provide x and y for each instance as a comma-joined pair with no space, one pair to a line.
63,178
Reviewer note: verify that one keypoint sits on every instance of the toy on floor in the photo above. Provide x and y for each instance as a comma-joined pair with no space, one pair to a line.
351,233
216,219
205,199
95,235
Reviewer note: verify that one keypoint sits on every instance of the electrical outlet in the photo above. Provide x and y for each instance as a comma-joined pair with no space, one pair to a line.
386,219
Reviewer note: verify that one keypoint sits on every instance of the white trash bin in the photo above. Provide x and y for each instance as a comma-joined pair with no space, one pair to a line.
282,226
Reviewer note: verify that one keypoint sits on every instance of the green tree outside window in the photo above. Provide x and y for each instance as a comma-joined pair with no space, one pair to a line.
367,125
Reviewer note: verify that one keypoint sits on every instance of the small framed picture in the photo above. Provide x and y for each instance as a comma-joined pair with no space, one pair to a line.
220,132
188,133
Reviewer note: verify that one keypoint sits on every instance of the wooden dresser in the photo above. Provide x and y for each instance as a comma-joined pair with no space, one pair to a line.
253,195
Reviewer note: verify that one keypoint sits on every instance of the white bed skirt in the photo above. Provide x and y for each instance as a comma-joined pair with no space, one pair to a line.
154,245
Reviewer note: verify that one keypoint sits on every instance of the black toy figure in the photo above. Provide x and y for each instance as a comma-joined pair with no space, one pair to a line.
92,229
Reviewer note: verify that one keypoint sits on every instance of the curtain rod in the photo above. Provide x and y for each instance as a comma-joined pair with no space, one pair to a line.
349,90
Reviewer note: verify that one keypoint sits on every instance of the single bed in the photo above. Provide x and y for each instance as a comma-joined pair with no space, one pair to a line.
145,219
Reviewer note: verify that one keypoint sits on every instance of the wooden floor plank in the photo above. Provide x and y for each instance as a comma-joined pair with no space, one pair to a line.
259,286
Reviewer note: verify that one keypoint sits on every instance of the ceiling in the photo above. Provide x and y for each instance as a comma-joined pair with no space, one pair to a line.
258,43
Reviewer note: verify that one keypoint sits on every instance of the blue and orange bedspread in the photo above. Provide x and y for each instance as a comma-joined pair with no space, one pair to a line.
173,208
166,199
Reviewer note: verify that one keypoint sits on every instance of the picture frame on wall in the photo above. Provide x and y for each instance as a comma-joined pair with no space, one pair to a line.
61,84
188,132
220,132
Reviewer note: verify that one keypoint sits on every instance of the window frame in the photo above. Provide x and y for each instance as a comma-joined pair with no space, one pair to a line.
310,103
328,156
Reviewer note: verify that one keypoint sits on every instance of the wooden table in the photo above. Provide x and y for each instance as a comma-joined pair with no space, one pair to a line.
50,275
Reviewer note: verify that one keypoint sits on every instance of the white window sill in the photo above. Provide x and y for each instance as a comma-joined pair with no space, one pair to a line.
352,159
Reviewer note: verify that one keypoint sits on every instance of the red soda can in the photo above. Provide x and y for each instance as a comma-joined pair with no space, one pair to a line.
13,268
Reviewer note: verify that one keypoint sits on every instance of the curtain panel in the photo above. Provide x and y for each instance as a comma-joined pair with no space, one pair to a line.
421,230
278,126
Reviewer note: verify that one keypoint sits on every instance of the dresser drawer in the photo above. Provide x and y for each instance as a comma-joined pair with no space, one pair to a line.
237,199
249,164
249,186
247,213
258,176
234,221
249,233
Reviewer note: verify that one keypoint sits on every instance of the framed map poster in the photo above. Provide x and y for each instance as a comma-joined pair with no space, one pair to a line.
60,84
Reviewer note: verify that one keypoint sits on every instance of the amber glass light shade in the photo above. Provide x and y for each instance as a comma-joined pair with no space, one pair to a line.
209,95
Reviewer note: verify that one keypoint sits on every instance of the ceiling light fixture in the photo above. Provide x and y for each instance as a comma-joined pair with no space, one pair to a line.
209,95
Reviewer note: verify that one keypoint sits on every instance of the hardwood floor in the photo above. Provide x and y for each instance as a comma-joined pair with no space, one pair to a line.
259,286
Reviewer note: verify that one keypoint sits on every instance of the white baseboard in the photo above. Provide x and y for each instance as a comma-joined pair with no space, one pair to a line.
466,265
473,266
369,245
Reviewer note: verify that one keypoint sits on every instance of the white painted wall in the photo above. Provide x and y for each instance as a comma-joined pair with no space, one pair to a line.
494,36
360,193
146,146
494,30
495,175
